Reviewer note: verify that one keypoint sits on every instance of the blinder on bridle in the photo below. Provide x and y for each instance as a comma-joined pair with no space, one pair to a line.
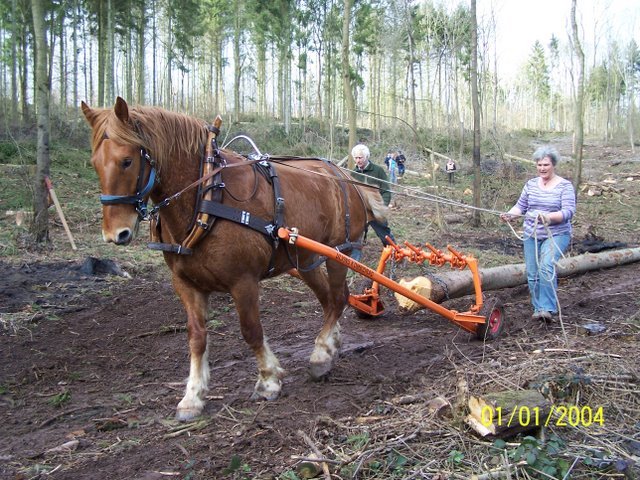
142,190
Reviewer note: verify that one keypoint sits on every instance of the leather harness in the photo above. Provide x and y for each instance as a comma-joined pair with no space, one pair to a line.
209,205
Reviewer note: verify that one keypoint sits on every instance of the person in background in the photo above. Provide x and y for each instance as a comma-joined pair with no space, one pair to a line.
400,159
393,170
548,202
388,158
371,174
451,170
393,174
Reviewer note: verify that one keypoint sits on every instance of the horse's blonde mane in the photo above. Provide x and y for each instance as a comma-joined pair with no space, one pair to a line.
163,134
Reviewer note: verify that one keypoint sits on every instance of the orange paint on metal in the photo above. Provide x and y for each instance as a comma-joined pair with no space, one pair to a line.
370,303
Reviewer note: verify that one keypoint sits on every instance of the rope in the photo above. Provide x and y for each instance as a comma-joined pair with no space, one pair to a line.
413,192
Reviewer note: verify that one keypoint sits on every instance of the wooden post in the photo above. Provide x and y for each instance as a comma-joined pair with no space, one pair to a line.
54,197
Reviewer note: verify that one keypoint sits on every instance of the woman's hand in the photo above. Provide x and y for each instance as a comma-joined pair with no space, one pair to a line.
544,219
507,217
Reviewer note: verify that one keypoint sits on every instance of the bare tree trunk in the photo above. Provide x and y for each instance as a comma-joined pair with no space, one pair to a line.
154,68
102,51
476,115
40,225
237,67
456,284
110,55
579,106
140,53
24,64
346,80
14,64
64,81
74,37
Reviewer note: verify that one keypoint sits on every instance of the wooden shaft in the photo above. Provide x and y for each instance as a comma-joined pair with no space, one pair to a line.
54,197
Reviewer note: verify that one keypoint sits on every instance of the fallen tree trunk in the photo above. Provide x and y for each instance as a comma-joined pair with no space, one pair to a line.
456,284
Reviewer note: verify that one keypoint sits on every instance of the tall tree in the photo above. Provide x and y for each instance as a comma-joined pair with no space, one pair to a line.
476,115
538,83
40,225
238,56
579,103
346,80
631,74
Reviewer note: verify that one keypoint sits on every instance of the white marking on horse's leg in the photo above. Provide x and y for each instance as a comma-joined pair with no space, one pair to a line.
270,373
192,403
325,352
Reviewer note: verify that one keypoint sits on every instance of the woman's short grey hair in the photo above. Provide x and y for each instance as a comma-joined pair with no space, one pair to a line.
360,150
546,151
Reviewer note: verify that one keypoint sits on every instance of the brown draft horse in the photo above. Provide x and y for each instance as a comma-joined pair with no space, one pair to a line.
232,257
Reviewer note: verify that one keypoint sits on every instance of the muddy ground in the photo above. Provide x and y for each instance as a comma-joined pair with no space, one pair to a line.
93,365
102,360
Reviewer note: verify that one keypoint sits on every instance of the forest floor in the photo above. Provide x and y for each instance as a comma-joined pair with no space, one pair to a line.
93,365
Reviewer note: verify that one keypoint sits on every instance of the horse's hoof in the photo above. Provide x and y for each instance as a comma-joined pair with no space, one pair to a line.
268,396
187,414
320,371
267,389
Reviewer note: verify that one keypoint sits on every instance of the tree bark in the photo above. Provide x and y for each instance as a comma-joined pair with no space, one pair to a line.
40,225
505,414
456,284
578,126
476,116
346,80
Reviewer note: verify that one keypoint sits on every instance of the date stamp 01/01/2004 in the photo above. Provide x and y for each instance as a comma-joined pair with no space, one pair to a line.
558,416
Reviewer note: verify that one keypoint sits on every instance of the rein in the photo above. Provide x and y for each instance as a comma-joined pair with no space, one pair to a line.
209,204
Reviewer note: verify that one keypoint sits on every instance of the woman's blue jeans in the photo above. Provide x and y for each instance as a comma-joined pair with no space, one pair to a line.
540,257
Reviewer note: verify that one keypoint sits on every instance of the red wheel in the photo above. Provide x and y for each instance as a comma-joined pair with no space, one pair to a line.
493,312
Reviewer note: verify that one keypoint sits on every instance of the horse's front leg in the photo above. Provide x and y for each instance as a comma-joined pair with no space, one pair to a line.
245,295
195,302
331,289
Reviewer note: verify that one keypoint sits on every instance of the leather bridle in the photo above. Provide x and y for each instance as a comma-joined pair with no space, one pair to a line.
139,199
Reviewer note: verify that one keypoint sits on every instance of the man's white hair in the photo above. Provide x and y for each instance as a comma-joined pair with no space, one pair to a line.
360,150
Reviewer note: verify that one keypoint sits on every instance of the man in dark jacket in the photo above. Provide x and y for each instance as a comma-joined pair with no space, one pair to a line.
372,174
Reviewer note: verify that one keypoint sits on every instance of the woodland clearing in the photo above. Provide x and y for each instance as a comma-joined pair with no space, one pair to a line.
93,364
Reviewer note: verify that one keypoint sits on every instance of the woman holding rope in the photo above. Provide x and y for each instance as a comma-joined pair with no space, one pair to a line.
548,203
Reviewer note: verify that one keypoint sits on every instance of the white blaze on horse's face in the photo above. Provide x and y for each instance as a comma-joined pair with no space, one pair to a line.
118,167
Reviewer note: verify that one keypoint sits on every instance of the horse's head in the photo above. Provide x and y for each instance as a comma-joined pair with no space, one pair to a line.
125,170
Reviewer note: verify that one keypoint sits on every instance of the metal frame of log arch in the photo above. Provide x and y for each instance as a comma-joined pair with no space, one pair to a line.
369,302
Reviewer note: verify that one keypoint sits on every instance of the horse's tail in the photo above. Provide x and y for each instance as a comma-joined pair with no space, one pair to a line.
374,204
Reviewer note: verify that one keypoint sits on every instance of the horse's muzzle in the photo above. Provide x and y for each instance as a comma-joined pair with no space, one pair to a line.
122,236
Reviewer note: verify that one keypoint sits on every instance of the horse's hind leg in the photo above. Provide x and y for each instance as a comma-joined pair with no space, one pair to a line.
245,295
195,303
331,289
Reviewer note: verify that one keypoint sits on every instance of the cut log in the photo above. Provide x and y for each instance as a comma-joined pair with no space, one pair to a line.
456,284
504,414
519,159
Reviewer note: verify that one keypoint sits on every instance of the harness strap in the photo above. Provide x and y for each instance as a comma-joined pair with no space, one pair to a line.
238,216
269,172
348,244
169,247
345,201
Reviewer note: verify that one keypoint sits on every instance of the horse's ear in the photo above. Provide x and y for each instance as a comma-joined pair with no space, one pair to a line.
89,113
122,110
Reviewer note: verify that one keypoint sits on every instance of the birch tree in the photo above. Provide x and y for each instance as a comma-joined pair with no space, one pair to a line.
476,115
40,228
346,80
579,102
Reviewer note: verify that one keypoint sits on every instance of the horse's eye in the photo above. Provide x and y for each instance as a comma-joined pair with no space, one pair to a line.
126,163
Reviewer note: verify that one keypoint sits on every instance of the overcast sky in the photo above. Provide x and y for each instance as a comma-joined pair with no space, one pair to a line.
521,22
